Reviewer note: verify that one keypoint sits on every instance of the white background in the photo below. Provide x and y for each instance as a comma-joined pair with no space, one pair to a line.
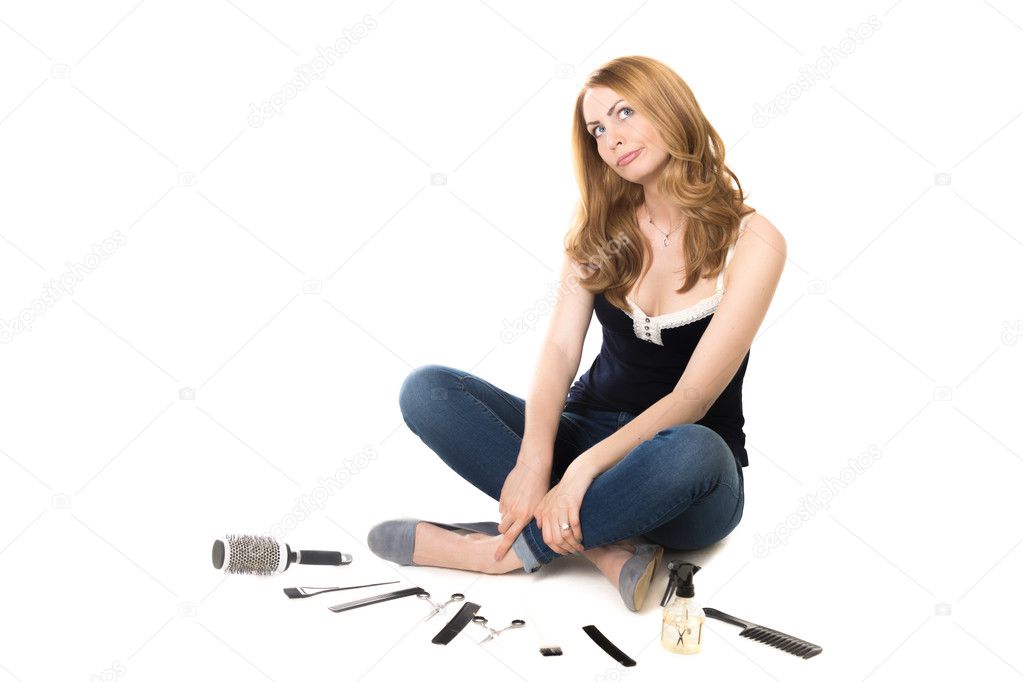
894,331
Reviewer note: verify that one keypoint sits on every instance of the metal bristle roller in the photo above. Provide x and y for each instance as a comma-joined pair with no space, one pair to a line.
263,555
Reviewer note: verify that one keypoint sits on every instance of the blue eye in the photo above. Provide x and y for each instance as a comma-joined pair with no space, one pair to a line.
600,126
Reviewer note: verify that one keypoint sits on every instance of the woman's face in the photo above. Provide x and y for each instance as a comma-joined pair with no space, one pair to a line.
619,130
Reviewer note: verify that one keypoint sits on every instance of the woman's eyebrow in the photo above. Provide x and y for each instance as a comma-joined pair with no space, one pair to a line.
589,123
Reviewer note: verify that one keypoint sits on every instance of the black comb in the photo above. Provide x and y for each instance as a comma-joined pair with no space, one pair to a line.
787,643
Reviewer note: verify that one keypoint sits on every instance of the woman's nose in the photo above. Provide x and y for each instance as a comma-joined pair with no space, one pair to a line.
614,138
613,141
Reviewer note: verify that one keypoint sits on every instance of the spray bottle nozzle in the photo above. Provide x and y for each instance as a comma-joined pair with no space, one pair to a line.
680,580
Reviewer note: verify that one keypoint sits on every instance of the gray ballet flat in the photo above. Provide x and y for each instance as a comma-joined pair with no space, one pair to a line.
395,540
638,571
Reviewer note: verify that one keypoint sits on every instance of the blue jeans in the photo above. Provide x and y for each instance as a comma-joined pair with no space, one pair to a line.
682,489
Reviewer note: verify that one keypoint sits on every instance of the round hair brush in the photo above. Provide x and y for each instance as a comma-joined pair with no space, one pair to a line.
263,555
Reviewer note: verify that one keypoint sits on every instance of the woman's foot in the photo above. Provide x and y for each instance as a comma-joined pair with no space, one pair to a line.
629,567
610,558
436,546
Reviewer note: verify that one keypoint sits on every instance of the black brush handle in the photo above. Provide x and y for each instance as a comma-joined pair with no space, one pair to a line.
320,558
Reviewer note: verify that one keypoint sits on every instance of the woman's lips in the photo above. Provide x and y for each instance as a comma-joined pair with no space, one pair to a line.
629,157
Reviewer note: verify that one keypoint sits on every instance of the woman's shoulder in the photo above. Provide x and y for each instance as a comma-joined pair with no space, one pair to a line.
760,223
769,237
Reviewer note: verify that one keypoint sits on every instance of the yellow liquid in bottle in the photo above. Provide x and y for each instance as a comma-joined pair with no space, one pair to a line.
681,632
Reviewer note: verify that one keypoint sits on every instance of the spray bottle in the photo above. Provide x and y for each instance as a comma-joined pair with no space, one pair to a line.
682,622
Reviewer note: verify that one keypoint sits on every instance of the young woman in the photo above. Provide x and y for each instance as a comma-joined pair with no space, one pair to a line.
649,442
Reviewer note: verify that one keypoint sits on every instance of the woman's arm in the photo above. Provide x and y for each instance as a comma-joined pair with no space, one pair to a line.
560,352
756,268
559,359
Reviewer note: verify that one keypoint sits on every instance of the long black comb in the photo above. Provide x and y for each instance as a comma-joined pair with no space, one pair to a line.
765,635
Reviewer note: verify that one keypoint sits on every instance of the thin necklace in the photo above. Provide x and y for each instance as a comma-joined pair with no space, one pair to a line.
650,220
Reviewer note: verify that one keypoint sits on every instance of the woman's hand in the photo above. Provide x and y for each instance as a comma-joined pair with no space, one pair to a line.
561,506
523,488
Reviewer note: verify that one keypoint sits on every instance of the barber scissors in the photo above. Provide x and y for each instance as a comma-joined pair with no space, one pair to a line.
437,608
480,620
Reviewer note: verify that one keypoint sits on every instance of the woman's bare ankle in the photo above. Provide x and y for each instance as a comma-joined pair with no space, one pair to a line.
610,558
488,564
436,546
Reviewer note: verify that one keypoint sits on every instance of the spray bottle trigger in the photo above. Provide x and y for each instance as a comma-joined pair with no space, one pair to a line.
673,579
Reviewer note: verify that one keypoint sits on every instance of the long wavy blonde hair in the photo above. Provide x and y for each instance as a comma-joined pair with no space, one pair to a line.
605,234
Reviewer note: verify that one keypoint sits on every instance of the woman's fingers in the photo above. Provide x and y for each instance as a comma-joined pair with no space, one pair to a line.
559,535
577,529
506,522
554,529
570,540
563,540
548,537
568,517
549,519
509,540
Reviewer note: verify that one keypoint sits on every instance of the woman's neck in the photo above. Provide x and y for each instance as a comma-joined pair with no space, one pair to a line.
665,214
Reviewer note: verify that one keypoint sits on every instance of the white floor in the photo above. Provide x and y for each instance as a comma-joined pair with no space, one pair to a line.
212,284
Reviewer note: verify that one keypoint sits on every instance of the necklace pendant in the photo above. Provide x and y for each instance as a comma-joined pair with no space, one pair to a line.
665,241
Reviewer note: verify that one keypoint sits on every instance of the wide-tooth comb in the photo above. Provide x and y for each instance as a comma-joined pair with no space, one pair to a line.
765,635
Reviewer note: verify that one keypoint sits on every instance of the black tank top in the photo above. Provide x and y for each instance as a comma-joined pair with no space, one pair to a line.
643,357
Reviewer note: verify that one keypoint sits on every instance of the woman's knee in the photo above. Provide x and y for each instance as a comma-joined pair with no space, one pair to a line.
696,447
423,385
701,525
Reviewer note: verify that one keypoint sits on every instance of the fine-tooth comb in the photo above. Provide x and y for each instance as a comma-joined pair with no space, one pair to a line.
765,635
303,592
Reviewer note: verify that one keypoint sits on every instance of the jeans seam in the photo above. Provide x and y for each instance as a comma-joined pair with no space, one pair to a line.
739,502
461,382
500,395
582,435
461,378
734,491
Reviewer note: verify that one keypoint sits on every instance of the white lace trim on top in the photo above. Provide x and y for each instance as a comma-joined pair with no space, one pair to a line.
648,327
